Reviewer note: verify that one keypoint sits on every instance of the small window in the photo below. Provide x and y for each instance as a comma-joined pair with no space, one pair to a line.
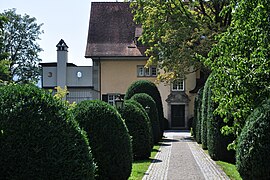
49,74
178,85
153,71
140,70
146,72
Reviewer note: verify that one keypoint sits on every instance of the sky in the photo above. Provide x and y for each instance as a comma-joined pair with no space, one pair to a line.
61,19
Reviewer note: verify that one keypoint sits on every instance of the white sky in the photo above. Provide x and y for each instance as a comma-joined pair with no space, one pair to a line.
62,19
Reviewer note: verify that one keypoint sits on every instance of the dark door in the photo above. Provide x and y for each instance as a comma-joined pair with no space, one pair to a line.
178,116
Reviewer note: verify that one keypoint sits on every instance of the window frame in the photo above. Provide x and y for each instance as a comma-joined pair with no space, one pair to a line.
179,87
142,71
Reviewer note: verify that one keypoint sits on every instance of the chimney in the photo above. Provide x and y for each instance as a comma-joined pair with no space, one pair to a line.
62,59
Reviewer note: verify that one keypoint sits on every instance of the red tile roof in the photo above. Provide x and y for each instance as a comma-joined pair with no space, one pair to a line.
112,31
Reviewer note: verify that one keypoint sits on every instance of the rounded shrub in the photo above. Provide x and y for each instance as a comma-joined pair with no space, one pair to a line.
203,116
148,87
217,142
147,101
39,139
198,116
252,152
109,138
139,128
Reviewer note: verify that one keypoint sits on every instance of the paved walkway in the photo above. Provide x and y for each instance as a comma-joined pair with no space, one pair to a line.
180,157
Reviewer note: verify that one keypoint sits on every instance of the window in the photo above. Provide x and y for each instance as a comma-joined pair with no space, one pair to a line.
111,98
178,85
146,72
140,71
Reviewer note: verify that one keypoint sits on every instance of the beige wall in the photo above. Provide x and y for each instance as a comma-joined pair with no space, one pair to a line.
117,75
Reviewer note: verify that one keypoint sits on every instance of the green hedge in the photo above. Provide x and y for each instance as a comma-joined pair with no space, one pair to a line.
147,101
253,148
204,113
148,87
39,139
217,143
198,116
109,138
138,125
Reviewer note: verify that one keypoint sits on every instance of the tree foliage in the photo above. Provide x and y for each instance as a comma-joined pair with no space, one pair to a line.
175,31
20,34
4,64
241,65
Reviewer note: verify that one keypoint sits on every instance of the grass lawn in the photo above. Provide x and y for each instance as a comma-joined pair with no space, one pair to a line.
140,167
230,170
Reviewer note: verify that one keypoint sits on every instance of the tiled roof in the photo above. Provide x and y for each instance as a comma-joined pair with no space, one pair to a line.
112,31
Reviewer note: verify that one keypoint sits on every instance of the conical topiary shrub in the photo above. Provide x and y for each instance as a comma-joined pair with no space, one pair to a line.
108,137
148,102
138,125
148,87
39,139
252,152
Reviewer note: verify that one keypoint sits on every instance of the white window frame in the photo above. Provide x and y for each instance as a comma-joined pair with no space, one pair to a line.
180,86
111,98
142,71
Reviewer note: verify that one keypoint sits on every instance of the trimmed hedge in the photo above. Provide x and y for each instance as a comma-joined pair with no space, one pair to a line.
253,148
217,143
204,113
39,139
109,138
147,101
148,87
138,125
198,116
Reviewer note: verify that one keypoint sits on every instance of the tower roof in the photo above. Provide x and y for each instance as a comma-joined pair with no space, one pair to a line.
62,44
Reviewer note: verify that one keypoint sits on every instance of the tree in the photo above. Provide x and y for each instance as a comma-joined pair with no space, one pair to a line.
241,63
4,64
176,31
20,34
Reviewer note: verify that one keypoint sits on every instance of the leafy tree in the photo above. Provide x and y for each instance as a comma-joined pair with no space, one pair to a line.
241,62
20,34
4,64
175,31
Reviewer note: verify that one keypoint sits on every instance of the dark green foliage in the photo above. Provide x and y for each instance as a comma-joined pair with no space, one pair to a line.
109,139
147,101
198,116
203,116
252,152
39,139
217,143
138,125
148,87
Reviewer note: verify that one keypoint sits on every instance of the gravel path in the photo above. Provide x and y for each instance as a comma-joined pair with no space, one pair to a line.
182,158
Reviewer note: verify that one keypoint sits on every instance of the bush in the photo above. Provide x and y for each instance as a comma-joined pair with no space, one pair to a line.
39,139
252,153
217,143
109,138
139,128
147,101
203,115
148,87
198,116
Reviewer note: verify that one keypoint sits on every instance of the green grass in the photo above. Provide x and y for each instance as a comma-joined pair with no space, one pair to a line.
230,170
140,167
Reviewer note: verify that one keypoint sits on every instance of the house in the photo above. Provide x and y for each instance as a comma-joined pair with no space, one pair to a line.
77,79
119,59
